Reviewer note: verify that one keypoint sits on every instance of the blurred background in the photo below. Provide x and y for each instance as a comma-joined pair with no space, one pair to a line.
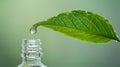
17,16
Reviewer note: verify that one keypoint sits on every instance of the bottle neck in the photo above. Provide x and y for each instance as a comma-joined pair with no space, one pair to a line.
31,53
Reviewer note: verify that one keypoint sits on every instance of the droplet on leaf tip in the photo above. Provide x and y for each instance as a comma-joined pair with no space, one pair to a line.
33,30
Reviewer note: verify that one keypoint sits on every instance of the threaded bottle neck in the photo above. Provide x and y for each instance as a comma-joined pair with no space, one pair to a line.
31,53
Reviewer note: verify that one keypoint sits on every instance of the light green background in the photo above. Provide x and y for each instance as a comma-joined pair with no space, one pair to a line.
17,16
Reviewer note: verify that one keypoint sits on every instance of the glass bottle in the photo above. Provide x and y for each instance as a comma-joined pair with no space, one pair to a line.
31,53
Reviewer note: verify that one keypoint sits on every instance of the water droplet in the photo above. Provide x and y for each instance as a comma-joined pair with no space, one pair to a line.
33,30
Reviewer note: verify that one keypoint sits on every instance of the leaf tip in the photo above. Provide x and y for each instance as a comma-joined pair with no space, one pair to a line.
118,40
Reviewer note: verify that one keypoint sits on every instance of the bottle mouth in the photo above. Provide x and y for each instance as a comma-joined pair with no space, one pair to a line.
31,44
31,41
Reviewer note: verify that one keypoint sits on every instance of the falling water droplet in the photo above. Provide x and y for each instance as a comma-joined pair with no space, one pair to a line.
33,30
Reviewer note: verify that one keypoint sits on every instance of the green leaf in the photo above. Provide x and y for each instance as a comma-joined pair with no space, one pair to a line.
86,26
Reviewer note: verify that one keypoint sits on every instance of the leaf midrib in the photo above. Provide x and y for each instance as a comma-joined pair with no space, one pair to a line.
92,33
